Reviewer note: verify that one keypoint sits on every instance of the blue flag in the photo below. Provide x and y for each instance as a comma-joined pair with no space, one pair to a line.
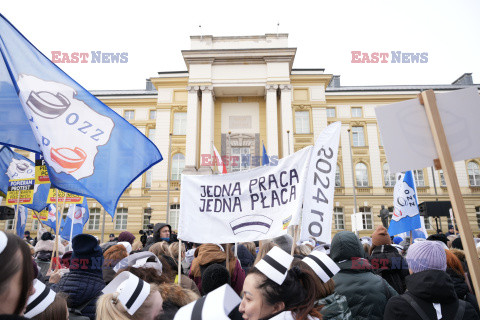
53,215
21,220
89,149
406,215
265,160
77,217
15,166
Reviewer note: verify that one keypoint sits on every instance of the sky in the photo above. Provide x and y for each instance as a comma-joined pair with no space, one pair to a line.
325,33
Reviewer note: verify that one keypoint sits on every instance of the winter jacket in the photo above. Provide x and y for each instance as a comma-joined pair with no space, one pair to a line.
80,287
390,265
208,254
44,249
461,289
335,307
367,294
426,288
156,235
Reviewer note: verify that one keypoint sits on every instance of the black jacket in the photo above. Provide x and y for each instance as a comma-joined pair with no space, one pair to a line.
156,235
461,289
367,294
390,265
428,287
80,287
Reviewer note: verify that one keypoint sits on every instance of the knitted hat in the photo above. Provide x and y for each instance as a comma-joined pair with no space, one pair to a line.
126,236
397,240
214,276
426,255
381,237
87,254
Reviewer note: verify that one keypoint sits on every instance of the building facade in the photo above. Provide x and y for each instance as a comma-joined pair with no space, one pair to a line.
240,93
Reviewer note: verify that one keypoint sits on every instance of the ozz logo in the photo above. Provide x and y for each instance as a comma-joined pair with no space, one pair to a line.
69,131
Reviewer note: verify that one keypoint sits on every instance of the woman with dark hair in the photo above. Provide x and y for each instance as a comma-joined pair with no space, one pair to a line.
274,291
16,275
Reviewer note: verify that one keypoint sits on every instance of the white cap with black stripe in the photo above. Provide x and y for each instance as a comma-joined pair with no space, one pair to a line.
322,265
132,290
215,305
275,265
40,300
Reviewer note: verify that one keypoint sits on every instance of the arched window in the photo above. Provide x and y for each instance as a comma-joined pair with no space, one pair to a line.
473,173
178,164
388,177
361,174
338,180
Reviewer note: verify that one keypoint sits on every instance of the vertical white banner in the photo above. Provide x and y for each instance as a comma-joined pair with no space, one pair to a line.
320,186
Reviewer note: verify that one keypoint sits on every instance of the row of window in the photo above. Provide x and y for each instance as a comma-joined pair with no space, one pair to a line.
179,121
121,218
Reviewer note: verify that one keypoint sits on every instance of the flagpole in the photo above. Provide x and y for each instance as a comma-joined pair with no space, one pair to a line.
353,177
103,225
179,261
71,226
40,221
56,228
288,138
169,173
15,219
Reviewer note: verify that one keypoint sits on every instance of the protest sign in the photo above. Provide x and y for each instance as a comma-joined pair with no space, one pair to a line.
41,172
42,215
20,191
249,205
320,186
65,197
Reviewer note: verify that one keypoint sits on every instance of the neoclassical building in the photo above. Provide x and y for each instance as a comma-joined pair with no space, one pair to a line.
240,93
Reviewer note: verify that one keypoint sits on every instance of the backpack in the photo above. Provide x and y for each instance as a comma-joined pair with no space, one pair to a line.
421,313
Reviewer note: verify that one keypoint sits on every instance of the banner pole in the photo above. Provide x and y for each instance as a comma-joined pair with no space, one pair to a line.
179,261
40,221
169,174
71,226
353,178
411,237
227,261
295,239
57,211
427,98
103,224
15,219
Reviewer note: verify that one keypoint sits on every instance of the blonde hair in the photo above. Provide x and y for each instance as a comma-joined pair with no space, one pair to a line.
159,248
266,246
302,250
251,247
173,250
137,245
110,308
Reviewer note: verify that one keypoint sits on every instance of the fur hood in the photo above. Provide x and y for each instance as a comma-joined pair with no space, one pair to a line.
47,245
459,253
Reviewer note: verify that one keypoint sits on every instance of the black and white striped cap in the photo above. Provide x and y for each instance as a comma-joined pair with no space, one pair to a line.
132,290
275,265
322,265
215,305
40,300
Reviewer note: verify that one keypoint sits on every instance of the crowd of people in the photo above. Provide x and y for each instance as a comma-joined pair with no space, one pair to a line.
377,277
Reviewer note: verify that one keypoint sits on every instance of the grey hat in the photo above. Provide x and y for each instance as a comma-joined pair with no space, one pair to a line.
285,242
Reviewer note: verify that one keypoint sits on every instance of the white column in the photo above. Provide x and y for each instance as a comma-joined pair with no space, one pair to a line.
287,119
191,163
162,131
207,127
271,116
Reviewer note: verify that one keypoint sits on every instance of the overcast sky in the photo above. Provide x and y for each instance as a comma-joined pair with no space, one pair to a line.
324,32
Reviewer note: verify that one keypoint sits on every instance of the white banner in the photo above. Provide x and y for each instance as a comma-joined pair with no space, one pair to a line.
257,204
320,186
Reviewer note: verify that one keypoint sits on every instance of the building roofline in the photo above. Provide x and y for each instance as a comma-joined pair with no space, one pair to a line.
399,88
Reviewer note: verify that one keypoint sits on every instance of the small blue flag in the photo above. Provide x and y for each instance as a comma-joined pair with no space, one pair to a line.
406,215
53,215
15,166
77,217
21,220
265,160
89,149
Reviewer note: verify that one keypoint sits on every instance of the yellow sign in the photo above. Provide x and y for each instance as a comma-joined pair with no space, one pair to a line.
42,215
20,191
70,197
41,172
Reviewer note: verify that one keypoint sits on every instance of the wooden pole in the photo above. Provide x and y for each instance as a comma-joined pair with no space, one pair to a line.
40,221
411,237
15,219
56,228
295,239
427,98
179,261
